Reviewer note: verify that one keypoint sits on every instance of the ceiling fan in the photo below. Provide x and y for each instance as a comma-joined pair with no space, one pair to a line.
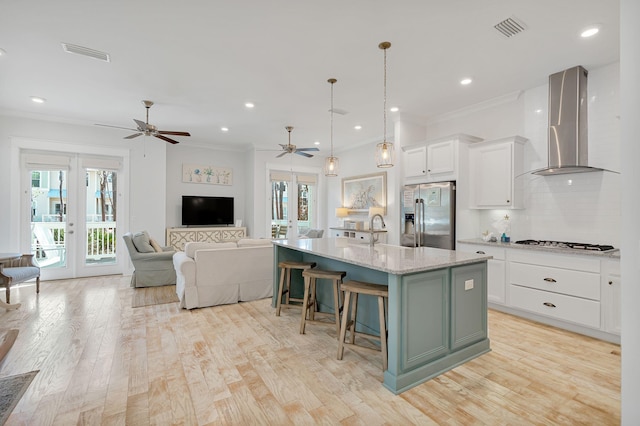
292,149
149,129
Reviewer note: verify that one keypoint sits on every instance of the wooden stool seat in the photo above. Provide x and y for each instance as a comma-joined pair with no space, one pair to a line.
356,288
285,276
310,301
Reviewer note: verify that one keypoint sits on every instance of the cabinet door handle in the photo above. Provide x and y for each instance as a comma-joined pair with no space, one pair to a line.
480,252
549,304
508,201
550,280
610,282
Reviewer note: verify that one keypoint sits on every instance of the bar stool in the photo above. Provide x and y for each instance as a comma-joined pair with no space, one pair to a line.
356,288
310,302
285,275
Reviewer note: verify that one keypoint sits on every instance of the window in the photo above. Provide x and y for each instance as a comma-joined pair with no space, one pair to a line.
35,179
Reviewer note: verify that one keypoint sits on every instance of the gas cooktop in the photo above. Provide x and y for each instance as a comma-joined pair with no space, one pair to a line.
568,245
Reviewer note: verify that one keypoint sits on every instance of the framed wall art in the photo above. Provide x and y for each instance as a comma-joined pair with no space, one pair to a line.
361,192
212,175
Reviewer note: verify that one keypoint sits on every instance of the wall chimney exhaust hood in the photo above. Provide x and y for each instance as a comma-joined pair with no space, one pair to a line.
567,136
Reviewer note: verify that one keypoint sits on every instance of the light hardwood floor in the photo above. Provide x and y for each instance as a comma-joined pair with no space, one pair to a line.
103,362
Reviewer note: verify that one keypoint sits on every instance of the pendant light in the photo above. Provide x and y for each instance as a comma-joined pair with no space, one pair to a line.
331,163
385,151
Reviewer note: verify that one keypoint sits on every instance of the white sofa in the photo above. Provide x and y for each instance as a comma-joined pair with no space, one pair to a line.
210,274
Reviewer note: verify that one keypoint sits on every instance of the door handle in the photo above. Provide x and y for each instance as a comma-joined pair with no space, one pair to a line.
71,231
550,280
480,252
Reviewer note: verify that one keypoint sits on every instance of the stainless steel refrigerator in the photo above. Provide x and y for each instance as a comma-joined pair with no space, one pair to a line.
429,215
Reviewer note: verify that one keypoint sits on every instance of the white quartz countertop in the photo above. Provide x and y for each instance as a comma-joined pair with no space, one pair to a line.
615,253
388,258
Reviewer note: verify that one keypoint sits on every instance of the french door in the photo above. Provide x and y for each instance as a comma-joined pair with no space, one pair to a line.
292,203
70,213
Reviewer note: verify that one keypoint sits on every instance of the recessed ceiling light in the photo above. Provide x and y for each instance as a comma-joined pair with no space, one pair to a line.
394,109
465,81
316,143
224,129
249,105
358,127
590,31
538,111
38,99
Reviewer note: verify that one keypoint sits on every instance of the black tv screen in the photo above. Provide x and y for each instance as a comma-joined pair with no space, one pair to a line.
198,210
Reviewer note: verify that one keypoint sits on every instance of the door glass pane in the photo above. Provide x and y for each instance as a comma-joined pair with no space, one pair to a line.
306,211
101,213
48,217
279,209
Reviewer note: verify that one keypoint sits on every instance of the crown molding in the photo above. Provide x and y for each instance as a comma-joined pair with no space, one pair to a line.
463,112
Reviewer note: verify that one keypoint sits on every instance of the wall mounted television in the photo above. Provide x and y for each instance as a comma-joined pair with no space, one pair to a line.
207,211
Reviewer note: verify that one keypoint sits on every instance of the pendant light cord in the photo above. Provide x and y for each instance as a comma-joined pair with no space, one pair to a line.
332,81
385,97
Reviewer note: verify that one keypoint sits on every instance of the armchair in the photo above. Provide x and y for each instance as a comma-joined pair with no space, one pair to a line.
17,271
153,266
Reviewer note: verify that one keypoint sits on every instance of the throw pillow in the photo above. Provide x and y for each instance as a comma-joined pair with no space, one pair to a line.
315,233
141,242
155,245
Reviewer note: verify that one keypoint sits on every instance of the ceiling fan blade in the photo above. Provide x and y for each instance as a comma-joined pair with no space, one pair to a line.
117,127
169,132
142,126
304,154
282,154
307,149
164,138
135,135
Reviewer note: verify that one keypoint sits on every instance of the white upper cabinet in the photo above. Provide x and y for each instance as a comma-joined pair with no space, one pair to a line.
441,160
494,169
436,160
415,162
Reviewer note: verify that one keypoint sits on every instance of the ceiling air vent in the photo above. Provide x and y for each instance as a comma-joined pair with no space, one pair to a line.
85,51
510,27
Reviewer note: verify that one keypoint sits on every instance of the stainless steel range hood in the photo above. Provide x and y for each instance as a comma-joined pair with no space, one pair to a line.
567,136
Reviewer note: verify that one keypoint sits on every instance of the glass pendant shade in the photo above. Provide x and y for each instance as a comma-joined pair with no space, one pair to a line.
331,166
385,154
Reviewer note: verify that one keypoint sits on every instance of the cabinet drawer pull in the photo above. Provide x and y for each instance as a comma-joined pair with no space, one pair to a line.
549,304
610,282
480,252
550,280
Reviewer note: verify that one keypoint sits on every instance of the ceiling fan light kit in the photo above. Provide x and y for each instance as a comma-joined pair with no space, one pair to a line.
385,150
331,164
144,128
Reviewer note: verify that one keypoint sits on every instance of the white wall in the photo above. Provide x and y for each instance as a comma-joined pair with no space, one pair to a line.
177,155
577,207
362,161
146,198
261,163
630,242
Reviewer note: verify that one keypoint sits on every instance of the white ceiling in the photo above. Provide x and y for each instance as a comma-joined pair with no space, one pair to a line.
200,61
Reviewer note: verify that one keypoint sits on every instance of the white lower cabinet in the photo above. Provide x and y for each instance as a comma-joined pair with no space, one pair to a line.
496,271
562,287
578,292
611,294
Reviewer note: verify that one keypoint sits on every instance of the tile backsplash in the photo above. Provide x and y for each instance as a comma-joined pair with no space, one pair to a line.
581,207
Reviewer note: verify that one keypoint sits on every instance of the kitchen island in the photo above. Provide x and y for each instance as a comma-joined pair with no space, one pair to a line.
437,314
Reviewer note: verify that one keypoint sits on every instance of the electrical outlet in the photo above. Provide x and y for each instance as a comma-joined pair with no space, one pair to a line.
468,285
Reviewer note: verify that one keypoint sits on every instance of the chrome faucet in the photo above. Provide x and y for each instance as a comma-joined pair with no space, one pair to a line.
373,237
